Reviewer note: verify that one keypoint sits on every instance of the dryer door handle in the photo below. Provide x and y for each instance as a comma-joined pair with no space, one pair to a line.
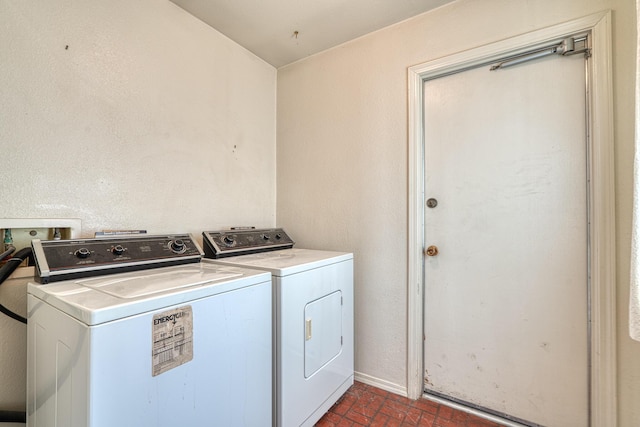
307,329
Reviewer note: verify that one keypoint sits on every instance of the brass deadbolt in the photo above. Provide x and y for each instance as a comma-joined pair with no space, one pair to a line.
431,251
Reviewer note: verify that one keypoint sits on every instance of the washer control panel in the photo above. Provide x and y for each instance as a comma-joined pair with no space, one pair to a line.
70,259
220,244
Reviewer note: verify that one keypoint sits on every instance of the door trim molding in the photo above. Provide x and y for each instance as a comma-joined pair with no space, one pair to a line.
603,391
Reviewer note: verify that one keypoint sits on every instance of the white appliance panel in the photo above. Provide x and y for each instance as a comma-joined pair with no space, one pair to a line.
106,298
323,332
100,375
308,285
287,261
302,401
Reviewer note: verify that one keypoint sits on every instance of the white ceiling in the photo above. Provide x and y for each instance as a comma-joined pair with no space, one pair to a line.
283,31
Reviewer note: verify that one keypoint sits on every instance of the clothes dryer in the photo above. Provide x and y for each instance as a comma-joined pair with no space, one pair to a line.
122,339
313,317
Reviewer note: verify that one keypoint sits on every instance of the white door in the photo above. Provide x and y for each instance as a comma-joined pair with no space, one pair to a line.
506,297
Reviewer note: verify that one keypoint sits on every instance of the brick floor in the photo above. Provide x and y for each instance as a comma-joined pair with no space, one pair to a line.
364,405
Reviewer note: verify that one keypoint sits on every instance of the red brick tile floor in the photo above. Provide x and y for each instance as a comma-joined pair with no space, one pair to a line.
364,405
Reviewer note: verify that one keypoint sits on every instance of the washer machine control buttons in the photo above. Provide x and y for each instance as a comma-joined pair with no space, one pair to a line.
82,253
218,244
178,246
117,250
70,259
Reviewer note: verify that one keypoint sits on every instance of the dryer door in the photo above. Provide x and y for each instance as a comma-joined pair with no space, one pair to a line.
323,332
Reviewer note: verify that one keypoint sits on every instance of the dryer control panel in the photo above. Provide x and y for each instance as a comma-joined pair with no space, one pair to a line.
219,244
71,259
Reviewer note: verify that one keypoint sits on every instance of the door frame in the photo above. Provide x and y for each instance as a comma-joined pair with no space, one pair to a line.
601,200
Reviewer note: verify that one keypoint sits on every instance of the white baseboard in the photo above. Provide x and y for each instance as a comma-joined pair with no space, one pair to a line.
381,384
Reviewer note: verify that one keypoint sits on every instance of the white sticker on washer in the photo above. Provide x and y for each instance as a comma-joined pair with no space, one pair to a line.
172,339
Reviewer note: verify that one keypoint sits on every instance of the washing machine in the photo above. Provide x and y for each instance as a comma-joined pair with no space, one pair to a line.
137,332
313,317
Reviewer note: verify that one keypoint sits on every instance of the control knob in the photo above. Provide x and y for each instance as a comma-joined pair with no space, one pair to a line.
178,246
265,237
117,250
228,240
82,253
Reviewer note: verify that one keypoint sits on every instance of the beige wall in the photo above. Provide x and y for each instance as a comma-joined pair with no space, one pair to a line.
148,106
132,115
127,114
342,161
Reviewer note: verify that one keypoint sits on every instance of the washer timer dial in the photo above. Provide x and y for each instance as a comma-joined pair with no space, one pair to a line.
117,250
177,246
82,253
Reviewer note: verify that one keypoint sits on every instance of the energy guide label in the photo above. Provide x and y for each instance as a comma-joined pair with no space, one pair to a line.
172,339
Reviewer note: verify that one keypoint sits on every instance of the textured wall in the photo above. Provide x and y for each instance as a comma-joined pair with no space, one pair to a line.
127,114
132,115
342,160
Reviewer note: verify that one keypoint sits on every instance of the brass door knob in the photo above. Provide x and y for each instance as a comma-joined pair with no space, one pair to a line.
431,251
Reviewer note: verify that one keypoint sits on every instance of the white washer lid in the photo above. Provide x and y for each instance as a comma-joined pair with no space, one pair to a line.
106,298
286,261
